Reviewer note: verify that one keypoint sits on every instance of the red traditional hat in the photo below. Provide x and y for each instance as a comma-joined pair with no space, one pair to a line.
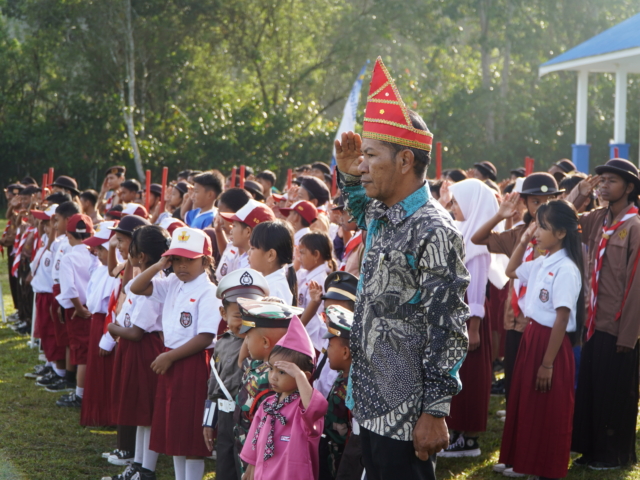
387,117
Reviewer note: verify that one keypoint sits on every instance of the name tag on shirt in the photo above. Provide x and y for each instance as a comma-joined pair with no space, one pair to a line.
284,438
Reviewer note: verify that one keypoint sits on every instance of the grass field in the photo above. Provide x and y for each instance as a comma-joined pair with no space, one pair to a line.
41,441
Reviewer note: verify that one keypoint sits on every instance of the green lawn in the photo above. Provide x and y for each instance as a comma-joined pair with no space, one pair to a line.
41,441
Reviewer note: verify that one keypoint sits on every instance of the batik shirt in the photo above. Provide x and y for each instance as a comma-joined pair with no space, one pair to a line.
409,336
337,424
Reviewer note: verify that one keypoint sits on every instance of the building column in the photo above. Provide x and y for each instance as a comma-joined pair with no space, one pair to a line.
620,117
580,154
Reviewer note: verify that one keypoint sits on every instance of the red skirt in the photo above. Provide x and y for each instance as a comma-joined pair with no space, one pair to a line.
134,385
537,432
96,403
179,406
62,338
470,407
78,329
46,328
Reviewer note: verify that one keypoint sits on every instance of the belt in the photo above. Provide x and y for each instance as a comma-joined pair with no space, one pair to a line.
226,405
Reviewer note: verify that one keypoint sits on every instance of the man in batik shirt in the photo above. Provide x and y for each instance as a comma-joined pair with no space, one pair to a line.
409,336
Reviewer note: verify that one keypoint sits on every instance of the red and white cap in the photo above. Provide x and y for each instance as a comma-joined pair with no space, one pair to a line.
45,214
189,243
135,209
170,224
306,210
101,233
252,214
80,223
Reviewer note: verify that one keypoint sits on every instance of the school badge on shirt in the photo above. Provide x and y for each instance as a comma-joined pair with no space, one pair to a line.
186,319
47,262
127,320
544,295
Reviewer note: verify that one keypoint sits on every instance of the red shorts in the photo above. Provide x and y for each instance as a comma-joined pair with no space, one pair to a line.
78,329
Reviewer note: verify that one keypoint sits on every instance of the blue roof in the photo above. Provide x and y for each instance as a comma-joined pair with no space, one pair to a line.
623,36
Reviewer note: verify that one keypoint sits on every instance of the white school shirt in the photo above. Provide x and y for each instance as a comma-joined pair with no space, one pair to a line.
552,282
76,267
299,234
147,313
227,260
241,261
316,327
42,281
58,248
99,289
107,342
478,268
125,316
279,286
190,308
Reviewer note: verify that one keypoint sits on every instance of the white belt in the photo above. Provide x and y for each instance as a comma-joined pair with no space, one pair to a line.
226,405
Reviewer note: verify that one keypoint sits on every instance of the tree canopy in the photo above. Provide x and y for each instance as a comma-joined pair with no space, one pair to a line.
85,84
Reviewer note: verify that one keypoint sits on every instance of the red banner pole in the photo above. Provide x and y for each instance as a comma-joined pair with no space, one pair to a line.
45,180
50,175
163,192
241,176
233,177
616,152
334,182
147,191
289,178
438,160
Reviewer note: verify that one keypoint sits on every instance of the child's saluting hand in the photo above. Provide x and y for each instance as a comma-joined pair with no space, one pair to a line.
315,291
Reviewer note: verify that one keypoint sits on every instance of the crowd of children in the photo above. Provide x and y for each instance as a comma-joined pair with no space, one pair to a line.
221,324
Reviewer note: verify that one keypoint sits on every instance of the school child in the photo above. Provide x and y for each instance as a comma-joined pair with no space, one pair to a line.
60,246
175,198
134,209
128,191
76,268
244,221
604,428
190,319
316,259
337,421
313,190
264,322
271,253
537,189
300,215
138,327
207,187
354,246
96,403
108,197
537,434
230,201
88,200
473,204
285,433
226,375
42,285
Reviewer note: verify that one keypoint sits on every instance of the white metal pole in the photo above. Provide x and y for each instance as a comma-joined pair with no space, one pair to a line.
32,343
620,125
4,317
582,103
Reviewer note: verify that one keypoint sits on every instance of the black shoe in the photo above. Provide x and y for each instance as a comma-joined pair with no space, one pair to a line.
581,461
25,330
144,474
129,473
71,400
603,466
121,457
61,386
462,447
48,379
497,388
38,371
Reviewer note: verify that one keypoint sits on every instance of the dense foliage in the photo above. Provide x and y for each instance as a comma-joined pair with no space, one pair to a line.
212,83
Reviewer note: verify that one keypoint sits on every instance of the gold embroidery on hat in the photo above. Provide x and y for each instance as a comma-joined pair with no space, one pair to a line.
183,237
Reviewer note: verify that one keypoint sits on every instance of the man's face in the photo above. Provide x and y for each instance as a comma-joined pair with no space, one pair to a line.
127,196
380,169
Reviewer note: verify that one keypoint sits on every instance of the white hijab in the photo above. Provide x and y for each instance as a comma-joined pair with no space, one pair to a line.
478,204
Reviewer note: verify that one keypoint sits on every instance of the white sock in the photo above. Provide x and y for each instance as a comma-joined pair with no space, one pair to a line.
139,453
179,467
59,371
79,392
194,470
150,458
49,364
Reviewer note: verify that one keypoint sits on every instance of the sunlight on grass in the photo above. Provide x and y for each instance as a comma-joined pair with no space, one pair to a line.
103,432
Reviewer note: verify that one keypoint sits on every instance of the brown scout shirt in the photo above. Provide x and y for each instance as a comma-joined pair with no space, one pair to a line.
506,242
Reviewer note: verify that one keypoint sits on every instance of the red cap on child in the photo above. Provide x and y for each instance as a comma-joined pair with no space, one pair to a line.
306,210
252,214
80,223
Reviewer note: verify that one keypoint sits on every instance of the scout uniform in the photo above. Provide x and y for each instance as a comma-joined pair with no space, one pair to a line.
226,376
337,421
111,194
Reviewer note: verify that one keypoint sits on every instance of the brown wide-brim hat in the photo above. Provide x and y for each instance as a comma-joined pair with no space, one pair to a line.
67,183
540,183
488,169
622,167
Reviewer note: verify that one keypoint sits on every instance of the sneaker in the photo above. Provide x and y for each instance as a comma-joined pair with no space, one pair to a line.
18,324
498,388
24,330
462,447
144,474
48,379
106,455
129,473
501,413
508,472
581,461
71,400
501,467
42,357
121,457
603,466
38,371
61,386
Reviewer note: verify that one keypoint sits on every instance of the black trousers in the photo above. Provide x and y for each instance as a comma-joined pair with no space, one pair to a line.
604,421
351,466
388,459
511,345
226,459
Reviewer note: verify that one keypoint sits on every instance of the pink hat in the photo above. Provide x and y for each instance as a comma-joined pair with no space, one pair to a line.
297,339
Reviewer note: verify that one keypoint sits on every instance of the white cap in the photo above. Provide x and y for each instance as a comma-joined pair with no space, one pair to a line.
135,209
518,186
102,233
189,243
243,282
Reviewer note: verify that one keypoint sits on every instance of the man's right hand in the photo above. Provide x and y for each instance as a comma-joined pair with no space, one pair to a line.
349,153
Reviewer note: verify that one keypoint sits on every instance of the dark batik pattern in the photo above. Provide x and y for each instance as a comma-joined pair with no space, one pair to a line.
409,336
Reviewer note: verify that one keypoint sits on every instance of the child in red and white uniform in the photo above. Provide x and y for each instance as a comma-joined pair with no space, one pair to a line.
190,320
96,403
139,325
230,201
300,215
